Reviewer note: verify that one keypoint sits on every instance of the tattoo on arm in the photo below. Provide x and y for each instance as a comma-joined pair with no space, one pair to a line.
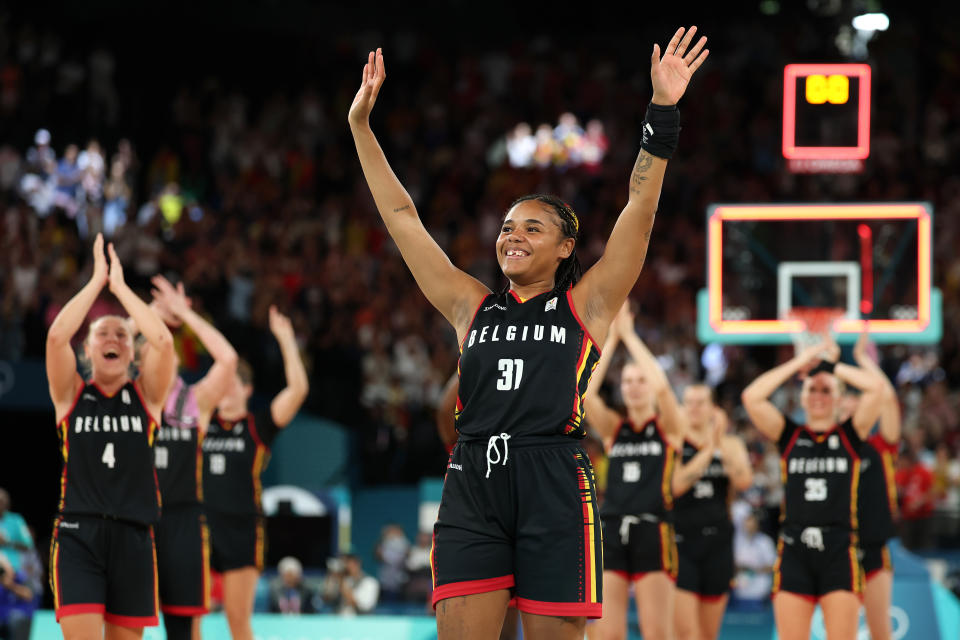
642,165
403,208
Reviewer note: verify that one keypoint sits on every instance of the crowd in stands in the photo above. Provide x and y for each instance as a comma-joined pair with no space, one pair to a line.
254,197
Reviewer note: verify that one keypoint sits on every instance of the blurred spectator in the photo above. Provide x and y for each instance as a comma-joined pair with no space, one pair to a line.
69,176
392,552
916,493
946,488
20,593
15,538
420,583
289,593
347,588
754,555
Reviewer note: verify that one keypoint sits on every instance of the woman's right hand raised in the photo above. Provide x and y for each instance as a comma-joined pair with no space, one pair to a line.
101,273
373,76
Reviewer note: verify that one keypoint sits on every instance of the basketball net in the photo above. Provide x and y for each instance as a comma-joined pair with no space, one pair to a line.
816,321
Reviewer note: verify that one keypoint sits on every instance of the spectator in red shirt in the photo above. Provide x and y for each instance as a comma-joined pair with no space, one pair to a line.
915,488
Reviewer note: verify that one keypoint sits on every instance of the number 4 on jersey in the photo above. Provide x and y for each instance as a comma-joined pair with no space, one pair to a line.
108,458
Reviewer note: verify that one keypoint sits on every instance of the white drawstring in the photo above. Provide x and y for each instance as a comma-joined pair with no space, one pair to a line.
492,445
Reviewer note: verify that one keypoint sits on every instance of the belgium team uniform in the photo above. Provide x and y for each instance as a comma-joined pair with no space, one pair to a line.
878,503
102,557
519,509
183,549
234,455
638,534
817,550
705,532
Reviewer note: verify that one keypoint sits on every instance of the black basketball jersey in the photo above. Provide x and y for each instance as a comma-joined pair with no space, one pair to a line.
705,503
878,490
177,453
106,443
639,472
524,367
821,476
234,455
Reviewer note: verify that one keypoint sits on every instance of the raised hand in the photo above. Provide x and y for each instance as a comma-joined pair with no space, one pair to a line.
374,74
623,322
116,270
172,299
671,73
280,324
100,269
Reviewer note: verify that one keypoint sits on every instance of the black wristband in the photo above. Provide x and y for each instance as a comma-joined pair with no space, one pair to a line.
661,130
823,367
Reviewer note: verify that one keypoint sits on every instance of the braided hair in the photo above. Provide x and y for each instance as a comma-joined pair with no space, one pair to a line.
569,270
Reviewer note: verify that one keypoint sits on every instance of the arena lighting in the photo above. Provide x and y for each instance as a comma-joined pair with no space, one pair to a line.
721,213
871,22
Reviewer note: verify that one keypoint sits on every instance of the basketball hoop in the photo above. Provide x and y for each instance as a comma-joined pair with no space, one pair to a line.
816,321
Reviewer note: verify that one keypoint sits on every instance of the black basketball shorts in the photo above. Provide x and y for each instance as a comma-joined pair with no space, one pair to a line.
530,525
874,558
104,566
634,546
706,561
236,540
814,561
183,561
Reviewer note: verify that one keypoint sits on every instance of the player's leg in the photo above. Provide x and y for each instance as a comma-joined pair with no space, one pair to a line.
793,613
538,627
712,609
878,591
195,628
511,623
183,560
477,616
120,632
239,591
616,598
841,610
178,627
686,614
656,595
877,601
82,626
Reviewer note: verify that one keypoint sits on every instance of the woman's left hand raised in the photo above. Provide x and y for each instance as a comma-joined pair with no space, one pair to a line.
671,73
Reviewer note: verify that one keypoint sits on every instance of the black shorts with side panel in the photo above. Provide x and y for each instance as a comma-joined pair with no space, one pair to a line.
634,546
706,561
874,558
105,566
236,540
815,561
531,526
183,561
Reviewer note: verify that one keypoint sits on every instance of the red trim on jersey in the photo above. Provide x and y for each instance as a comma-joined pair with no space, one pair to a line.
131,621
591,610
471,587
252,427
848,446
472,319
878,442
184,611
96,386
573,309
793,440
79,609
616,434
634,577
871,574
146,407
73,405
707,598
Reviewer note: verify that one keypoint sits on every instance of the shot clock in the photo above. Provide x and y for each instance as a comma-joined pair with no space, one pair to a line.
826,117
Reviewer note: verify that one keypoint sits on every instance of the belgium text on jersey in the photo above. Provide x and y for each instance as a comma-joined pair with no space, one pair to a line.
629,449
224,444
513,333
817,465
175,434
108,424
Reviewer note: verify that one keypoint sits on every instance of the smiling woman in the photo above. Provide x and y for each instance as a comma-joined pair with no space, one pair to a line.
103,568
523,374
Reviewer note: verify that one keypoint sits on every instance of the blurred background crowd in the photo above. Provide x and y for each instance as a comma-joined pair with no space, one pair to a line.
238,177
